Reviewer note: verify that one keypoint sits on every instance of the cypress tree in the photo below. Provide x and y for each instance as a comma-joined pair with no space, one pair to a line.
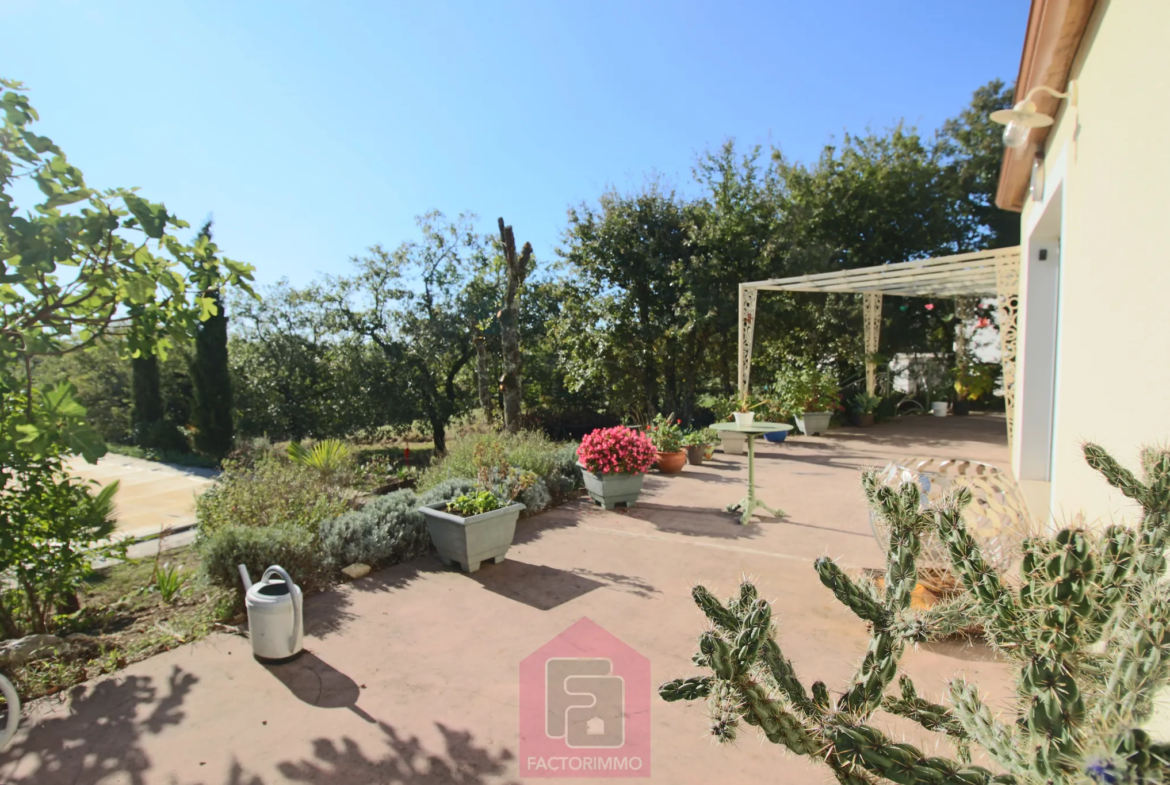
210,380
147,388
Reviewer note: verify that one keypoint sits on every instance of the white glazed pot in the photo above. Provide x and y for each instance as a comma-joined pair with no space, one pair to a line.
744,418
733,443
939,408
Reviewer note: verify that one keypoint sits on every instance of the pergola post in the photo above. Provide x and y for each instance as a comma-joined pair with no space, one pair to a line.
747,330
871,313
1007,296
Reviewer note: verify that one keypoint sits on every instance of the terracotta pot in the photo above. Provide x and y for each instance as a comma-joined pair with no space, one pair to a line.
708,452
695,454
671,462
863,420
961,408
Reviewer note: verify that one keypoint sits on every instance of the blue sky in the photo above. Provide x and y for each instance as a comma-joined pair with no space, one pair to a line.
313,130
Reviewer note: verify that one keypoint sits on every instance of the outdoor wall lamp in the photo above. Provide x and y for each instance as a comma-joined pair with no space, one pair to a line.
1023,117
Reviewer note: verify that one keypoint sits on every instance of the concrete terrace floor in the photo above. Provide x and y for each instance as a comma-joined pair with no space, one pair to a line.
410,674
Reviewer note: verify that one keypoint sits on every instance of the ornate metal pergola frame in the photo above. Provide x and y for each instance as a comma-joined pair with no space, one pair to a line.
964,276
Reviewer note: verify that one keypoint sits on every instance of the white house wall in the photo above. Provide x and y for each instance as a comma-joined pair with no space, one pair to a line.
1110,161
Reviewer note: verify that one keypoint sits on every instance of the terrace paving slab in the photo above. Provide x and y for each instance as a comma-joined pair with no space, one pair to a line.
151,496
410,674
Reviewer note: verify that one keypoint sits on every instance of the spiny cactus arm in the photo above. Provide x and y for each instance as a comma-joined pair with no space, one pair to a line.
1000,741
993,600
688,689
720,616
1142,664
783,675
1115,555
1114,473
868,748
946,618
929,715
861,598
877,670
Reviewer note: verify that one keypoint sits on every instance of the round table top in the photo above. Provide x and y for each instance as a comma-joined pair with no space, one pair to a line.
754,428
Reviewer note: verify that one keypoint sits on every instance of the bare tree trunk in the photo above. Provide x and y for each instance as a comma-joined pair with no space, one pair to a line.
517,269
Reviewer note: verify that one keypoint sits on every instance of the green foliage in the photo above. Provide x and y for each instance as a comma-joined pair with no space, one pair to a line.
169,582
266,492
211,412
474,504
1088,631
527,450
665,433
113,261
387,530
415,305
293,547
864,403
976,380
52,529
806,387
330,458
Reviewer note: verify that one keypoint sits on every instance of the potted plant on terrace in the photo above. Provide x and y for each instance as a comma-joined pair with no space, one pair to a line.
972,383
696,447
735,407
668,441
710,437
613,462
810,393
480,525
864,405
777,412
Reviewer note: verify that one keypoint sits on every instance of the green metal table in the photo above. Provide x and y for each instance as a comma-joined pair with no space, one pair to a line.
750,503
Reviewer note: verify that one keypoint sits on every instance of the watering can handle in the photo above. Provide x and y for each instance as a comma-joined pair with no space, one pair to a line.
296,605
13,699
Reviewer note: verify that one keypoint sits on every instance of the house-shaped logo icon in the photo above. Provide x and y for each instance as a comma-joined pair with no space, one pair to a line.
585,707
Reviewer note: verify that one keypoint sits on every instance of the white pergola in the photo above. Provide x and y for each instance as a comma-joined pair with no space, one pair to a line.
966,277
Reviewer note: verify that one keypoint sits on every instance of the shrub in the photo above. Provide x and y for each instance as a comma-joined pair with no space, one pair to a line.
617,450
536,498
447,490
526,450
293,547
51,530
269,492
387,530
804,388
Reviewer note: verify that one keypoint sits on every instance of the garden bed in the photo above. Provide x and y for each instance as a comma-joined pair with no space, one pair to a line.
122,620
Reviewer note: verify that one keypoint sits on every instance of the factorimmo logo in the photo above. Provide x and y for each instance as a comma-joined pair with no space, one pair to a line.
585,707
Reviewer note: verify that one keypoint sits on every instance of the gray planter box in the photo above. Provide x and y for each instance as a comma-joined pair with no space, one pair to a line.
733,443
470,541
610,490
811,423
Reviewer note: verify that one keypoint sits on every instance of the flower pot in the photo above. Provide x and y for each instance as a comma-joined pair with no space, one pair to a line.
695,454
671,462
961,408
811,423
610,490
939,408
733,443
470,541
776,436
708,452
744,418
862,420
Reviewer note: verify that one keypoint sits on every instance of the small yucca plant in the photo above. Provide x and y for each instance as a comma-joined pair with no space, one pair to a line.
330,457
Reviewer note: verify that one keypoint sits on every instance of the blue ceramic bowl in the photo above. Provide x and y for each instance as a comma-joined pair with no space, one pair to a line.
776,436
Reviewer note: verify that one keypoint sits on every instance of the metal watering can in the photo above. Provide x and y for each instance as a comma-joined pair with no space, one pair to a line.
276,623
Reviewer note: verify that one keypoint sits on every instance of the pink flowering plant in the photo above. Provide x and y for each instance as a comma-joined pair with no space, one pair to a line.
618,450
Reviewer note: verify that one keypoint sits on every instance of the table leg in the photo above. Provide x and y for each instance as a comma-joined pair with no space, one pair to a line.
750,504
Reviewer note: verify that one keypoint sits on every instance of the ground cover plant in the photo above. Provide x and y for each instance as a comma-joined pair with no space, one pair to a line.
1087,630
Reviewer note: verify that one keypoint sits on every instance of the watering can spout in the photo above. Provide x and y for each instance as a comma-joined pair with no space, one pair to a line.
244,575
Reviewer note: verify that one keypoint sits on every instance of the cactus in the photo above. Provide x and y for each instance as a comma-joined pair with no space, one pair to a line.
1088,631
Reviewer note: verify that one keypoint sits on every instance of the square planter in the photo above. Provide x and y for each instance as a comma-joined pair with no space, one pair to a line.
470,541
733,443
610,490
811,423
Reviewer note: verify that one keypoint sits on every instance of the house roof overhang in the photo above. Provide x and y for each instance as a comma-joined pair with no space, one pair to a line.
1055,30
961,275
